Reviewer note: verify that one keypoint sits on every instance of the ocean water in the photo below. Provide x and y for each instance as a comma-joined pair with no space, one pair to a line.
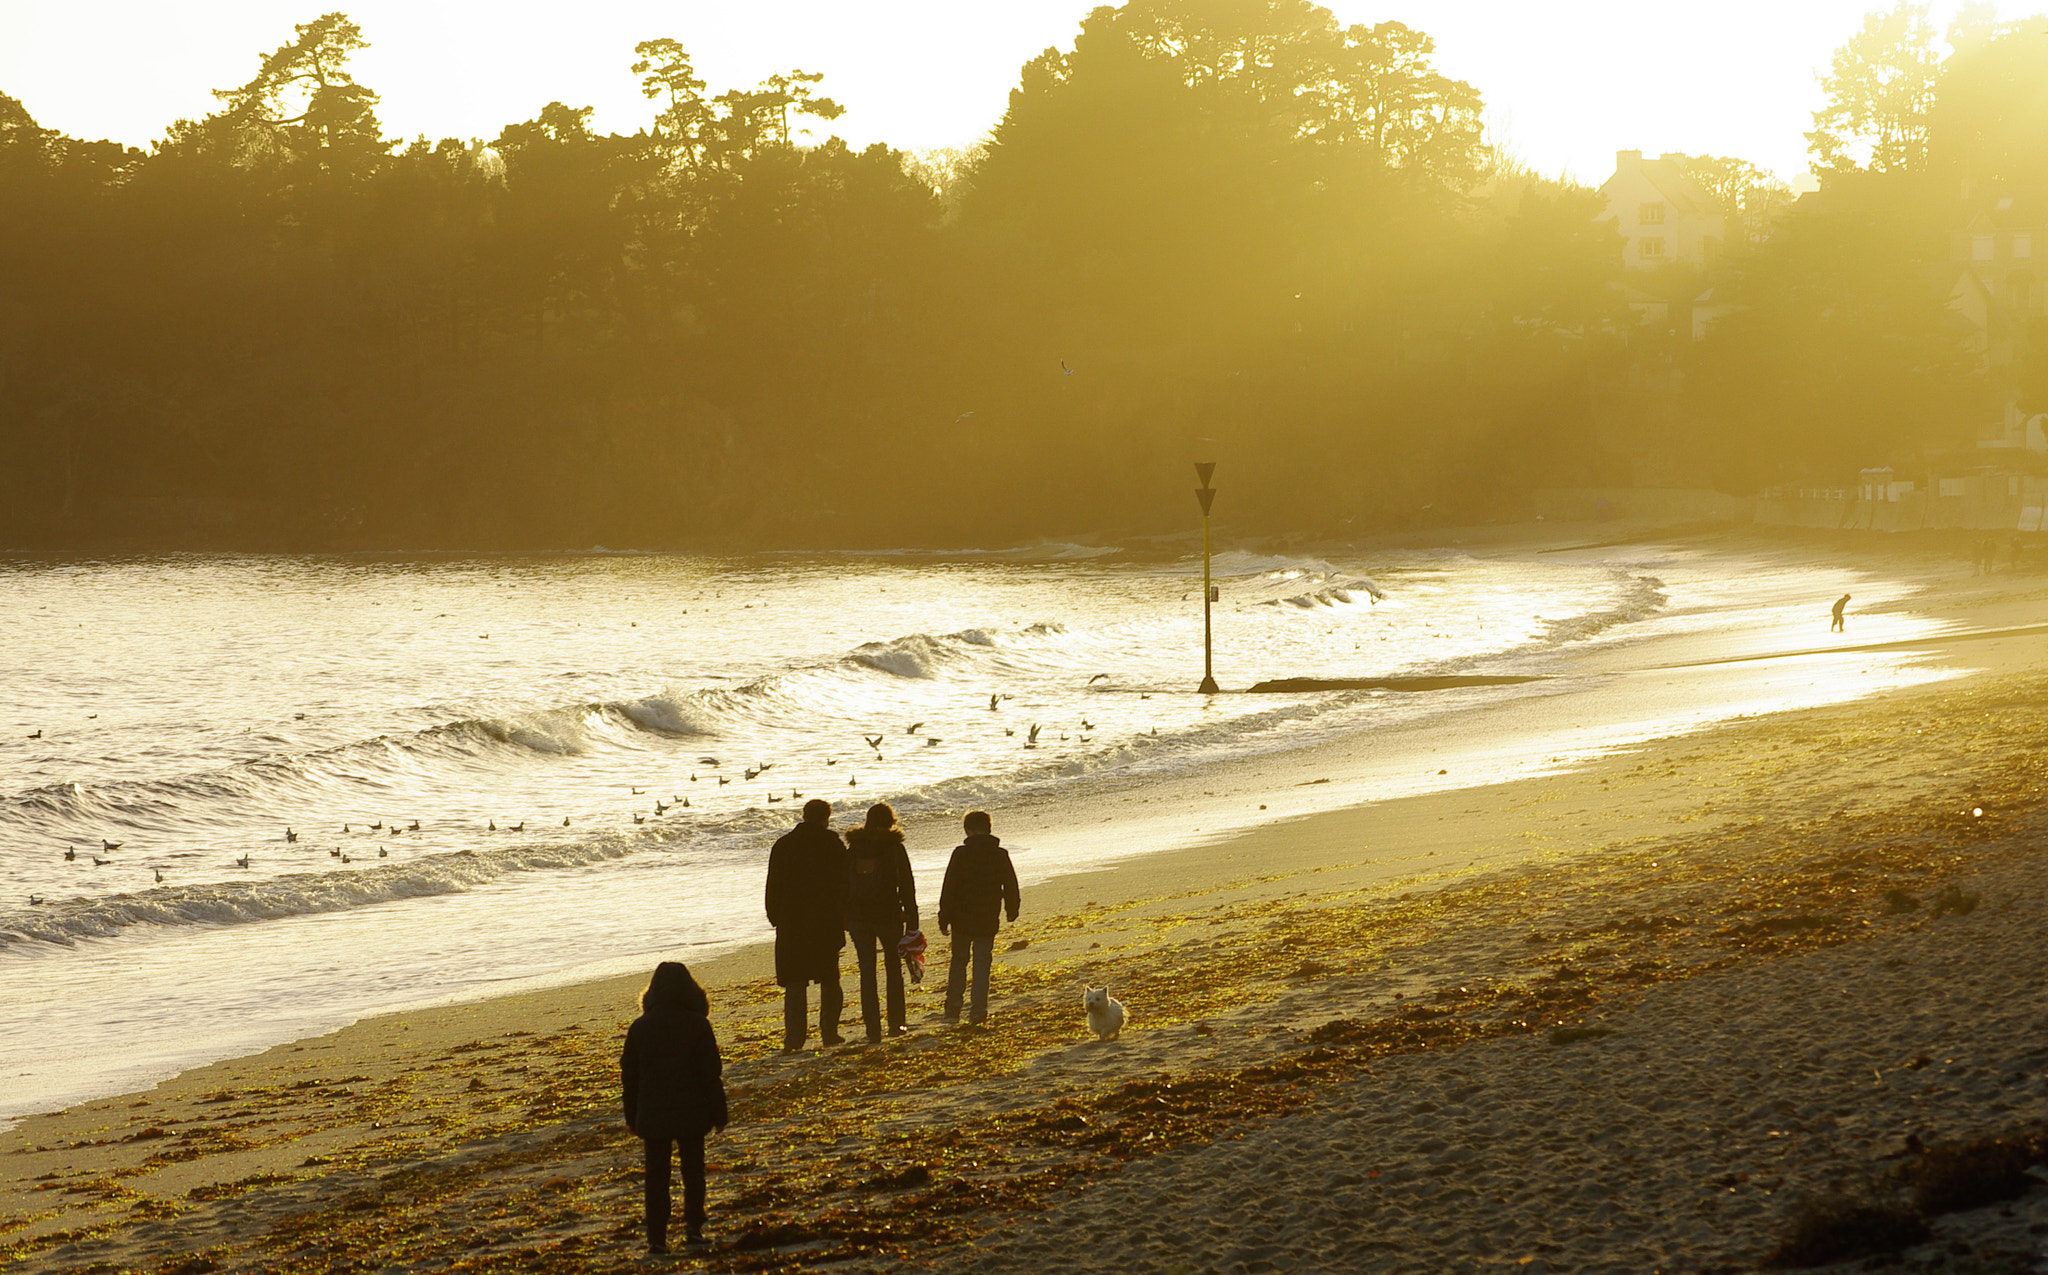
243,799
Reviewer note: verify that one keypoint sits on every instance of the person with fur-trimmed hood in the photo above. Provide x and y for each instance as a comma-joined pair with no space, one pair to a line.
981,885
806,900
674,1093
881,909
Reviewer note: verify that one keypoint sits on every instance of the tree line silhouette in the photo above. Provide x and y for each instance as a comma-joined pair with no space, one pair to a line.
1242,233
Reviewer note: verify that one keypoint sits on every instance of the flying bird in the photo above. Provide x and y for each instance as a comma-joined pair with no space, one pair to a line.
1064,369
874,742
1032,738
1097,678
913,728
961,417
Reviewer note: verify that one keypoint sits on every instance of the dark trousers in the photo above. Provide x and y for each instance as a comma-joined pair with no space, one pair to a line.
865,942
692,1146
982,949
831,1000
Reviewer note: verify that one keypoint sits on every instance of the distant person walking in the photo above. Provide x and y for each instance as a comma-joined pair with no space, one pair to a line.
981,884
807,907
674,1093
881,908
1840,603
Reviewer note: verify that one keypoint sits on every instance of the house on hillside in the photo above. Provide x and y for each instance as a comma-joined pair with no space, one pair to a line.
2001,238
1666,216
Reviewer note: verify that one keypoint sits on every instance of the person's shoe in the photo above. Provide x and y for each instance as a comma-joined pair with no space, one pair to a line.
834,1040
792,1049
695,1235
656,1248
874,1038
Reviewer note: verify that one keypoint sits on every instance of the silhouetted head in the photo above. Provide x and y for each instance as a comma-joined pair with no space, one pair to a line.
977,821
818,811
673,991
882,818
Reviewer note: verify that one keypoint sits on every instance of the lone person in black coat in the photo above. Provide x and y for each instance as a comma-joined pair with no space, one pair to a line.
881,909
674,1093
1841,603
980,885
807,907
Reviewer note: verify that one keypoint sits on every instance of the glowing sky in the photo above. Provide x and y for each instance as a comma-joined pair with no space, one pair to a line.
1568,81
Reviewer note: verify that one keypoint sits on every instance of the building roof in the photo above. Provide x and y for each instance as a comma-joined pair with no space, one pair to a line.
1667,174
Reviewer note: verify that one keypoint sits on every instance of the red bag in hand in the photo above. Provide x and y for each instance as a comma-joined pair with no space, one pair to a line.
911,948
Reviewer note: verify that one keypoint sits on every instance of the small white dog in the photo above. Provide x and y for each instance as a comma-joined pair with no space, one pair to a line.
1106,1016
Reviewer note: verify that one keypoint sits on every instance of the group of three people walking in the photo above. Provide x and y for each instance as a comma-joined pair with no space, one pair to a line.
822,889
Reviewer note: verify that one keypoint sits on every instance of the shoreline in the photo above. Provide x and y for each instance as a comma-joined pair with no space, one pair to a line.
1148,815
1418,844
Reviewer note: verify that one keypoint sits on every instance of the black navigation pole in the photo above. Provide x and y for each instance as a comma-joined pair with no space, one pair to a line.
1207,496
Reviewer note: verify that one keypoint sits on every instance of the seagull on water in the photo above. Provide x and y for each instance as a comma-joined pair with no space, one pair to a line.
37,735
520,826
638,817
159,873
109,845
334,853
913,728
723,781
494,825
642,791
1097,678
382,853
98,862
35,900
70,855
660,809
415,826
290,836
565,822
242,862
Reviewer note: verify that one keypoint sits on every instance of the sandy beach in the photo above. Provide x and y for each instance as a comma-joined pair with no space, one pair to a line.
1645,1014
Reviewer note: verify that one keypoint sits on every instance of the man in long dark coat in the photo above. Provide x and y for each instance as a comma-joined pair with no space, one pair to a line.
807,907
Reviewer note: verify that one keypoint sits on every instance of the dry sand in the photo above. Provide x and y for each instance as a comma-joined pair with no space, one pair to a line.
1628,1019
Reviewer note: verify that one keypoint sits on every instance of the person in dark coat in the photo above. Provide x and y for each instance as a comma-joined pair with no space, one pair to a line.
881,909
807,907
674,1093
980,886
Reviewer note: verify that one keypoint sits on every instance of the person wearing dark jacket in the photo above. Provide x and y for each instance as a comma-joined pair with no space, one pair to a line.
807,907
980,886
881,908
674,1093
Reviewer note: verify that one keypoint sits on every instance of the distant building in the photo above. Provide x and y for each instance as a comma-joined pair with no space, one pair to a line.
1666,216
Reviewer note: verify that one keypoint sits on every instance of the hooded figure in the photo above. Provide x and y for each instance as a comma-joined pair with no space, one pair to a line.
981,885
806,901
881,907
673,1093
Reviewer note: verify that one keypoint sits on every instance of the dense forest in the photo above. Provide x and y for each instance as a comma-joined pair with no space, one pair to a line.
1237,232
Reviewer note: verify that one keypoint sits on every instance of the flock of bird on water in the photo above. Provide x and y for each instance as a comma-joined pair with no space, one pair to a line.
874,742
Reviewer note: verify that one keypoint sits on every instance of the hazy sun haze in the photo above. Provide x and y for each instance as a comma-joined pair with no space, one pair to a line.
1571,82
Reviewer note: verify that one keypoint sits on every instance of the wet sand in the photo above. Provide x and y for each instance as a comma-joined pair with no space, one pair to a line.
1624,1018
